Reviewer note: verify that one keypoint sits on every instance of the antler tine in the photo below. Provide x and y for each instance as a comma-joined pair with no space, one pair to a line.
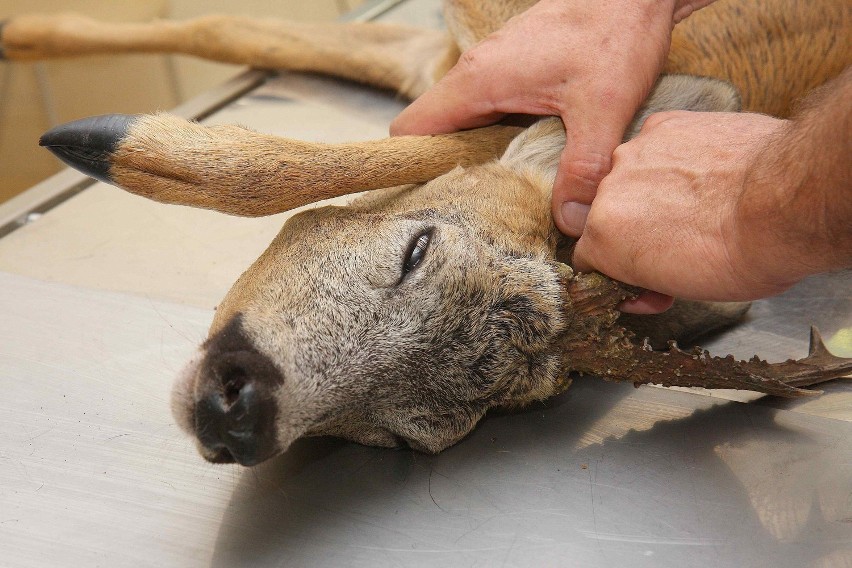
603,349
236,171
820,364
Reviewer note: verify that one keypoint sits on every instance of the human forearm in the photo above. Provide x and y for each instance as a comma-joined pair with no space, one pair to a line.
795,212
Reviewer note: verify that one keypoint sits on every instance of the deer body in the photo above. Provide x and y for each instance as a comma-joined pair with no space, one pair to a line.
404,317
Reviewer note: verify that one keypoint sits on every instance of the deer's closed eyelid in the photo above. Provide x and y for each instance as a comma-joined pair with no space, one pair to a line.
416,251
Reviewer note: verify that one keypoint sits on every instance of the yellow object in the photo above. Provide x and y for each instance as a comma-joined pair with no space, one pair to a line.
840,343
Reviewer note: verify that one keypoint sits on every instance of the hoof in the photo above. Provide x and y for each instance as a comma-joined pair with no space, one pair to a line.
88,144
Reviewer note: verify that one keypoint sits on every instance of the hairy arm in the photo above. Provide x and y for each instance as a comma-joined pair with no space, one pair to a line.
728,206
797,197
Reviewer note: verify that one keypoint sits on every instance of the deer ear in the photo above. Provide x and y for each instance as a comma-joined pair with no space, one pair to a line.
686,92
535,151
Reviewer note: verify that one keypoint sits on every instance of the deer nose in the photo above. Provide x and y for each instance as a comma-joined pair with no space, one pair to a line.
235,408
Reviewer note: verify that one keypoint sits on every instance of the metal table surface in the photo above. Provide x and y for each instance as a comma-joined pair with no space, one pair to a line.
105,296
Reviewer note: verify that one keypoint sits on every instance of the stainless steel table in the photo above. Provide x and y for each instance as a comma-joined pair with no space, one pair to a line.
104,296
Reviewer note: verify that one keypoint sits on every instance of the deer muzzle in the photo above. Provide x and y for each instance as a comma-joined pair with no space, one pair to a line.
233,400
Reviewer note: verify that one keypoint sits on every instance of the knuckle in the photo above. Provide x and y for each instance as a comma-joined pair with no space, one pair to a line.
470,61
588,169
592,233
599,230
653,121
659,118
620,154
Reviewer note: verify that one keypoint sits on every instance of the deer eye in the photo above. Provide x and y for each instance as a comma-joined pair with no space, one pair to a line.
416,251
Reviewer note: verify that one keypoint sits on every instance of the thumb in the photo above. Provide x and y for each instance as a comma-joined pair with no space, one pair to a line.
454,103
587,158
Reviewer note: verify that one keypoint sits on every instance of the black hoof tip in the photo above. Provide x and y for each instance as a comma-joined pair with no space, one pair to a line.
88,144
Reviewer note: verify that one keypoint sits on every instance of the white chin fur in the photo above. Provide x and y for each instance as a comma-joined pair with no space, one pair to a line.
183,394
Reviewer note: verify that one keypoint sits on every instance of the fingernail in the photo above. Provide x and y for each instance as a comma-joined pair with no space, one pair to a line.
574,217
648,302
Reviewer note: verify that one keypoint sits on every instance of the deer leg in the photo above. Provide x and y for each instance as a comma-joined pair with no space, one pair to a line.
237,171
597,345
470,21
402,58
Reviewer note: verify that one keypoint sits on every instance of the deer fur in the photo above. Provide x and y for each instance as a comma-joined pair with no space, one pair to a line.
328,326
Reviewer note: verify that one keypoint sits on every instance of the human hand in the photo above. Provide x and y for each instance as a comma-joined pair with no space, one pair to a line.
672,215
591,62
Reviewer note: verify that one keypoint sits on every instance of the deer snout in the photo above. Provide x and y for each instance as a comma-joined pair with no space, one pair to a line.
234,400
235,409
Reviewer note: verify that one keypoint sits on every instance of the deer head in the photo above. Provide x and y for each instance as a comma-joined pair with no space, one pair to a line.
404,317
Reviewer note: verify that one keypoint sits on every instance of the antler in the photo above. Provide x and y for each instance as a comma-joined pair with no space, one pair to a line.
237,171
596,345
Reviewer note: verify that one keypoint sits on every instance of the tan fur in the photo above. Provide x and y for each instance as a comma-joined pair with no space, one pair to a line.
469,21
278,174
362,348
773,52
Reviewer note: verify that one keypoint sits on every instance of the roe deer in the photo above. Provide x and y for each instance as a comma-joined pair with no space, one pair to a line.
403,317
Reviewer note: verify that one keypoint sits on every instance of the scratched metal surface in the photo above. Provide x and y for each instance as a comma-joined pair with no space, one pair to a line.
777,329
93,471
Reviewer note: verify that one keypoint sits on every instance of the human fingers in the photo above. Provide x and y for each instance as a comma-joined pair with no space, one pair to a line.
648,302
458,101
591,138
